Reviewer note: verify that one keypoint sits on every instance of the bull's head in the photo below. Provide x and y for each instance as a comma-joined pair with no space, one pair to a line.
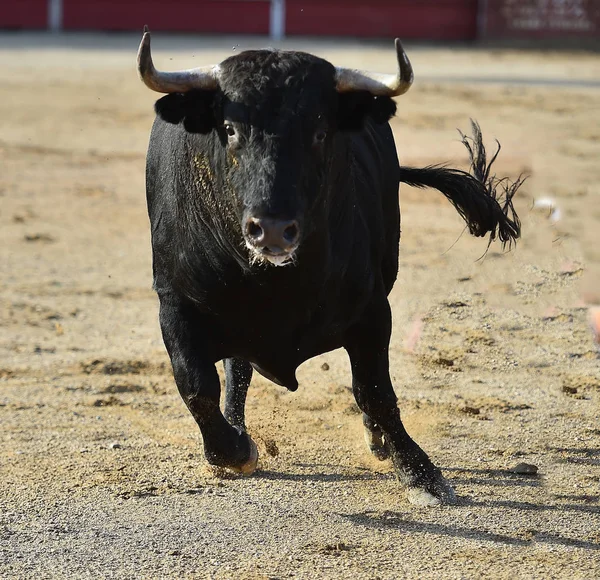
275,118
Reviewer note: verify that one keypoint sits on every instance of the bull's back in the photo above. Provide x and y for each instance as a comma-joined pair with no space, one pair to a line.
377,183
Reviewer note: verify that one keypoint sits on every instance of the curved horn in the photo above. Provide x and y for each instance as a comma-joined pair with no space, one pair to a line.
380,85
173,82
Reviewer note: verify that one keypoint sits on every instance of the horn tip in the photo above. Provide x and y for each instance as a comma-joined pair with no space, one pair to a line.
144,60
399,48
145,42
403,61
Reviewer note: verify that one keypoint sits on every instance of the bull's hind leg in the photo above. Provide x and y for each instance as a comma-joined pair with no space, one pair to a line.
374,439
367,345
192,358
238,374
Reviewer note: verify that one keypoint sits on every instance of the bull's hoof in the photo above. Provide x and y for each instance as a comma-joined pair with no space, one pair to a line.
376,444
438,492
249,466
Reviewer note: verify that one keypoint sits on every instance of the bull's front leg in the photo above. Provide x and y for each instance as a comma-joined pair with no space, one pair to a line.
238,374
367,345
193,362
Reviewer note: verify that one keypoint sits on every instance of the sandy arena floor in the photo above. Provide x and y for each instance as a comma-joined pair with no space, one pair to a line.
101,466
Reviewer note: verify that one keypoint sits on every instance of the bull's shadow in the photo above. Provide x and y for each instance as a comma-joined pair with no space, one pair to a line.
578,455
494,478
490,477
504,478
525,505
400,521
330,472
320,472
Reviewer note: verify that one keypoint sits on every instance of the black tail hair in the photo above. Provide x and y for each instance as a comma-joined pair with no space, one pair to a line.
474,195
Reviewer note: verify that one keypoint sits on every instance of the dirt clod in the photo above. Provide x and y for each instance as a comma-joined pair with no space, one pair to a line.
271,447
108,402
44,238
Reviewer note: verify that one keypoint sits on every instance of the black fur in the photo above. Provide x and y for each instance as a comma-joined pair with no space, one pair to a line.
277,140
355,108
195,109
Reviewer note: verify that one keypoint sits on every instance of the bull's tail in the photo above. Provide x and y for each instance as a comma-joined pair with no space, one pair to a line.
474,194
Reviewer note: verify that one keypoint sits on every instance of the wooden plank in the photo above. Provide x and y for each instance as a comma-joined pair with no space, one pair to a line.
209,16
19,14
426,19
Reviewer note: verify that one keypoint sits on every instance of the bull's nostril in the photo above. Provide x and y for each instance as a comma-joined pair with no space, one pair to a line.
290,233
254,230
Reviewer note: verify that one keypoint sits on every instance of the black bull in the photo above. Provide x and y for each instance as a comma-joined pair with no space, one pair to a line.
279,159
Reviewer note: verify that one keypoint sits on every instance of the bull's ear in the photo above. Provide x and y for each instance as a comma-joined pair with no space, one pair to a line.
194,108
356,107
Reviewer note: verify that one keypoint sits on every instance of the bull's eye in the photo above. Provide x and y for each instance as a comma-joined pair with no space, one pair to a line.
229,129
320,136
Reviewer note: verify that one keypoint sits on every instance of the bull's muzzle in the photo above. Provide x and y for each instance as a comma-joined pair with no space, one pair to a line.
271,239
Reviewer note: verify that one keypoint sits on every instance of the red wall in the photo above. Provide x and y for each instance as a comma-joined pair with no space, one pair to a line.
425,19
24,14
217,16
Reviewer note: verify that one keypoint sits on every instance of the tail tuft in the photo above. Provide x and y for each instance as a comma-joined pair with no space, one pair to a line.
509,229
483,200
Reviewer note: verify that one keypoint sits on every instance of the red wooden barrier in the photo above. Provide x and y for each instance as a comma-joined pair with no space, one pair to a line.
30,14
424,19
212,16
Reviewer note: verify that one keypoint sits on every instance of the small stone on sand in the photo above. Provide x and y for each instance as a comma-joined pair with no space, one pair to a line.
524,469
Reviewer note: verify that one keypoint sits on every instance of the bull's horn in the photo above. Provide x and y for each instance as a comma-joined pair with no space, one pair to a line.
173,82
380,85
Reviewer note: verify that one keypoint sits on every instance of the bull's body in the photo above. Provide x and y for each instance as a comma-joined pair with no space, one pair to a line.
279,159
277,318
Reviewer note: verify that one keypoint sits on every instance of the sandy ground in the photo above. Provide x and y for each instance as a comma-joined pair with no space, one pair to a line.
101,469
